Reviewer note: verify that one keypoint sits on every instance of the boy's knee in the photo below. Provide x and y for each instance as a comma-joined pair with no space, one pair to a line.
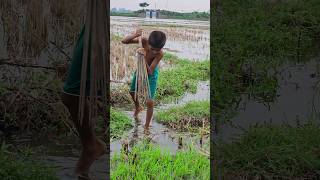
149,102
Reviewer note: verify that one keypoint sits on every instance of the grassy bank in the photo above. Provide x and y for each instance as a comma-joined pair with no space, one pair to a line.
119,123
147,161
19,167
272,152
180,78
189,117
251,39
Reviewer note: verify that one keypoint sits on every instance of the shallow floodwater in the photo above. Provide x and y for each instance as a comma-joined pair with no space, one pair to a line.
297,101
160,134
185,38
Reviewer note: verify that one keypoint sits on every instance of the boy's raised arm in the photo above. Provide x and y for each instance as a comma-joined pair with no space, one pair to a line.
132,38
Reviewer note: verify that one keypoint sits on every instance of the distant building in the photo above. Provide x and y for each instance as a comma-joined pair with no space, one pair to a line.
152,13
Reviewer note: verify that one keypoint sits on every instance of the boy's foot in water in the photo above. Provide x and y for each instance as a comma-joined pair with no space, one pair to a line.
89,155
137,111
146,130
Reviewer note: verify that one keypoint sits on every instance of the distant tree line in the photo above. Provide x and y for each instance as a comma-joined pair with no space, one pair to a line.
167,15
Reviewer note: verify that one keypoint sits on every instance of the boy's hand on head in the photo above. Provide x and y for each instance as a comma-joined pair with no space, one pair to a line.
138,32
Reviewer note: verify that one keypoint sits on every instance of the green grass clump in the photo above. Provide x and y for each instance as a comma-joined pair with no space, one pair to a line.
119,123
180,78
23,168
186,117
116,37
147,161
272,151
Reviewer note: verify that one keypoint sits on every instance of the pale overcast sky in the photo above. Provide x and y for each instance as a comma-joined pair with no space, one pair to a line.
172,5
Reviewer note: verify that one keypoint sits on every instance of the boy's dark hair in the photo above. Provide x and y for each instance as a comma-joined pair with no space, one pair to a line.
157,39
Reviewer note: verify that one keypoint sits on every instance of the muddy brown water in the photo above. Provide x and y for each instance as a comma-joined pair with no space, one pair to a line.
297,102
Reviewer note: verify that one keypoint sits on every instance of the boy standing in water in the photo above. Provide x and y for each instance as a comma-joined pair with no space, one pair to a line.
153,54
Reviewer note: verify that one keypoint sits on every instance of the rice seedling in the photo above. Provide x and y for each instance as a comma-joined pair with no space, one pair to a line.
271,152
145,160
189,117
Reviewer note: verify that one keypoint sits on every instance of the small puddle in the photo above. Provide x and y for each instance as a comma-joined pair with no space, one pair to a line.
297,101
202,93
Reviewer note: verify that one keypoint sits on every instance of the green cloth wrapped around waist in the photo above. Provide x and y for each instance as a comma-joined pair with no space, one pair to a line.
73,81
153,78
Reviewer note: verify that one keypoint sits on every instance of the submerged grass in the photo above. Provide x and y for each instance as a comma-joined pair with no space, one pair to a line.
272,152
20,167
189,117
119,123
147,161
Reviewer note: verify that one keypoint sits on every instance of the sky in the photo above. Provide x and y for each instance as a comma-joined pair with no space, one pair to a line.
171,5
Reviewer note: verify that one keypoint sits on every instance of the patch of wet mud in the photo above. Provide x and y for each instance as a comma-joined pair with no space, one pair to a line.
66,167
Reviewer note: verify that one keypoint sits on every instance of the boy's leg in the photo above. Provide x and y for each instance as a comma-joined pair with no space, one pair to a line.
92,147
138,108
150,101
149,113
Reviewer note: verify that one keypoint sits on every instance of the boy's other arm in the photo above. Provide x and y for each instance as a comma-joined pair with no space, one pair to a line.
155,63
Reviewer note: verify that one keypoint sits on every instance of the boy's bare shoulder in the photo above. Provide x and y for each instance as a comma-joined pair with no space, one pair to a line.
161,53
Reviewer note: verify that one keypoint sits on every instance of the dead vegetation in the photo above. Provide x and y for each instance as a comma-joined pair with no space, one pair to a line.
38,37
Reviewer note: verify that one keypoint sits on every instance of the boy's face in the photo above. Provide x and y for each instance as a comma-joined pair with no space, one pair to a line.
154,51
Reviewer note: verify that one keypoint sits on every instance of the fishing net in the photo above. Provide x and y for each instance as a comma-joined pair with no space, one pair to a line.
142,87
95,41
